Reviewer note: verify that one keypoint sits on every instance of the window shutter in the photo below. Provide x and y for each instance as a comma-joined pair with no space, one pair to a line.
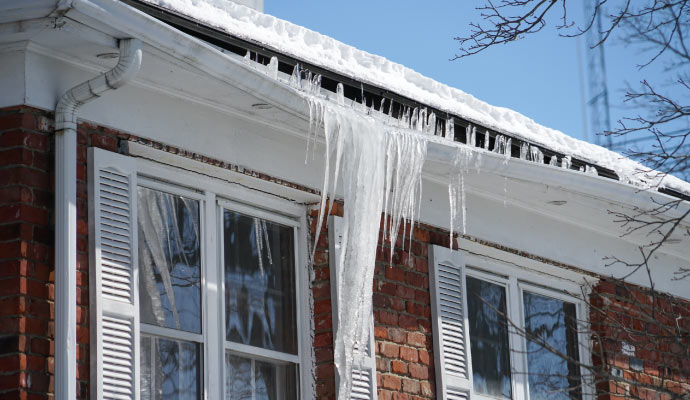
113,276
364,377
448,305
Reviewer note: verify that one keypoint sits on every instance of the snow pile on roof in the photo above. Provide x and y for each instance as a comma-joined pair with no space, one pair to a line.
315,48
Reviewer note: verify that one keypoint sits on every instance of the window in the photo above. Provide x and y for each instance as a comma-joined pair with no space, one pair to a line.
197,289
497,329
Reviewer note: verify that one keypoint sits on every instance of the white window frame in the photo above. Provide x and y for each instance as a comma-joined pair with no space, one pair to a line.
248,351
516,274
212,194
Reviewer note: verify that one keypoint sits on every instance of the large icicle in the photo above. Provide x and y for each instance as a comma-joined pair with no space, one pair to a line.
380,169
456,190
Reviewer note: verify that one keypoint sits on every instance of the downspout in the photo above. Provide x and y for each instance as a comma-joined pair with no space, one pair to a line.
66,210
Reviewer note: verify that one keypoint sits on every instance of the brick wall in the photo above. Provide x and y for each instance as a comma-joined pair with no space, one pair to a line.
402,315
26,254
645,337
26,251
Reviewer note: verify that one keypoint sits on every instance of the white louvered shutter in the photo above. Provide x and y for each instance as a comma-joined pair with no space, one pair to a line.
448,305
113,276
363,378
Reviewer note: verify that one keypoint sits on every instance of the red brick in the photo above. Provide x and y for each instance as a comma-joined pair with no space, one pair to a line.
323,339
391,382
398,367
380,332
416,339
395,274
407,322
390,350
397,335
104,142
324,371
322,306
388,318
411,386
418,371
424,357
408,354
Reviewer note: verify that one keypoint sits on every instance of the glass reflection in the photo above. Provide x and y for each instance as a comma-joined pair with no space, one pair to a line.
259,283
169,369
259,380
551,322
169,260
486,305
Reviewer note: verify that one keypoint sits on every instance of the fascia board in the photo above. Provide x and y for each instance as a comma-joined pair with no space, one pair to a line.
607,190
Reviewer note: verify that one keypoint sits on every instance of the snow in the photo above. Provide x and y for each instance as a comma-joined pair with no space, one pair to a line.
381,170
321,50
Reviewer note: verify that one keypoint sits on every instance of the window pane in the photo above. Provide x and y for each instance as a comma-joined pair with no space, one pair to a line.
486,307
170,369
259,283
551,322
265,380
169,260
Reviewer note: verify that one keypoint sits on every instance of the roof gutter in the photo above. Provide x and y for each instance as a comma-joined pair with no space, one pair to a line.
66,209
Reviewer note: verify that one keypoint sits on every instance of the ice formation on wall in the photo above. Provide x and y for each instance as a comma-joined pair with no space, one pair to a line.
381,170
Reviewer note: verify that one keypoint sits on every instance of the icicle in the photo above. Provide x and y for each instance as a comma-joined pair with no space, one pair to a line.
306,84
316,85
450,130
296,78
379,169
486,140
383,101
566,162
508,150
421,123
536,155
582,168
315,117
500,144
390,109
591,170
456,190
524,151
505,191
414,119
340,94
248,57
273,68
431,124
470,135
554,161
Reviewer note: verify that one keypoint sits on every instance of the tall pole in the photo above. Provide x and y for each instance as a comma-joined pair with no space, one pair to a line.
598,100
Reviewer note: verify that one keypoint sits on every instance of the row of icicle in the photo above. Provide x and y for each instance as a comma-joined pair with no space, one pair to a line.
420,119
380,162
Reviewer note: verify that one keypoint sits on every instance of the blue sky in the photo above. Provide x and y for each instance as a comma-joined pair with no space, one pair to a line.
539,76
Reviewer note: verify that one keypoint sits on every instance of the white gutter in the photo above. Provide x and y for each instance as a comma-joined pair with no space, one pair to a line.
66,210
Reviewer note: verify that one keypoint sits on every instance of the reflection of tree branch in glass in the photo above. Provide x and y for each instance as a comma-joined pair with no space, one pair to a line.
169,292
259,305
486,305
259,283
552,322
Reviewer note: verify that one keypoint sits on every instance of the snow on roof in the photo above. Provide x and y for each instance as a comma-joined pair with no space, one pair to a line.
317,49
